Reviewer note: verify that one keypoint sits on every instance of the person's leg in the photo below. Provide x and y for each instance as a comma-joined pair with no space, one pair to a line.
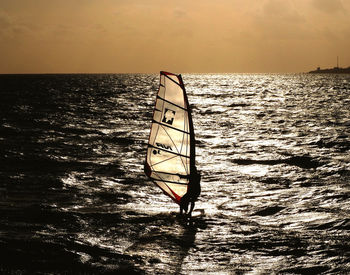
184,204
192,207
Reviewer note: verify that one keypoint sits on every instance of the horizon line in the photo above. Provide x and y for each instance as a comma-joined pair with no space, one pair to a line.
52,73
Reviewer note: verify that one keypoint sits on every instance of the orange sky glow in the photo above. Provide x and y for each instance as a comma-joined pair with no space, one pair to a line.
198,36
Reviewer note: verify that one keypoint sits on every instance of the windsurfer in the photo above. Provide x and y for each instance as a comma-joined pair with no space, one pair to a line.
193,192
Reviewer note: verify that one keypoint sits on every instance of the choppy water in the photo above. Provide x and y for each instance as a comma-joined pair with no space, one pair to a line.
274,156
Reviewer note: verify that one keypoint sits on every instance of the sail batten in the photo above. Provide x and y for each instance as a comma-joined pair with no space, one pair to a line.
171,103
178,83
170,127
170,153
168,181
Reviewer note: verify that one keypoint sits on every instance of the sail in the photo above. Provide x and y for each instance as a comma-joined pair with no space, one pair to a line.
170,155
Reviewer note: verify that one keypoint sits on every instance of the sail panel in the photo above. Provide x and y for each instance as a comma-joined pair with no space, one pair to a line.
168,159
168,162
173,91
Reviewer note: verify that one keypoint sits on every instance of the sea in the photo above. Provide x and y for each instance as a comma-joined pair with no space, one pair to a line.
272,149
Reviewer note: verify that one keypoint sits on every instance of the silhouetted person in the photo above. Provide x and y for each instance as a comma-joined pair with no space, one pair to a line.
193,192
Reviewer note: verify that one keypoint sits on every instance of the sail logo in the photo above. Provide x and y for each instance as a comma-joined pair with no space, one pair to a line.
169,116
166,147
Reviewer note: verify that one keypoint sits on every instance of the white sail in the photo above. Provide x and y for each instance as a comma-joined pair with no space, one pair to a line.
171,154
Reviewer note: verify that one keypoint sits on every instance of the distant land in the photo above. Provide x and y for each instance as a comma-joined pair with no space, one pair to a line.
335,70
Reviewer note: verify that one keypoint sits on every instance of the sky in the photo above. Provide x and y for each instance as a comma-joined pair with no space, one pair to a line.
183,36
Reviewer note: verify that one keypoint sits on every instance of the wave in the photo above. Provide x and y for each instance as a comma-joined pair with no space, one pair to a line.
306,162
340,143
269,211
238,105
334,225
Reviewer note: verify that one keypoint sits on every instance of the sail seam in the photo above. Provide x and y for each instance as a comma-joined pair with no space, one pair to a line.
171,140
154,164
168,173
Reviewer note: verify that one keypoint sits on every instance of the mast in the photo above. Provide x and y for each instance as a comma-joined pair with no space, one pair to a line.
192,137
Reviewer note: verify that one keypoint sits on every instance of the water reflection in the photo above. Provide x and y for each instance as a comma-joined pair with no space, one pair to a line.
274,156
165,241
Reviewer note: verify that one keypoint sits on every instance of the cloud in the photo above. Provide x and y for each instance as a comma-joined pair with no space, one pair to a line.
180,13
329,6
279,20
282,10
5,20
10,27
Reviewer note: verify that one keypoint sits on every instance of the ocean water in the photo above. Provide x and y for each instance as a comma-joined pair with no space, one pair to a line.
273,151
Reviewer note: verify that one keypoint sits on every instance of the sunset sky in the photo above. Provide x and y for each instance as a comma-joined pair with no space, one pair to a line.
126,36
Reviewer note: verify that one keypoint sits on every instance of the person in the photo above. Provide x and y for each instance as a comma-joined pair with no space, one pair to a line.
193,192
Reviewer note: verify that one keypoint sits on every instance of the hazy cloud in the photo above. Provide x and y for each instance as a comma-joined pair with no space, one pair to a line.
329,6
282,10
5,20
180,13
197,35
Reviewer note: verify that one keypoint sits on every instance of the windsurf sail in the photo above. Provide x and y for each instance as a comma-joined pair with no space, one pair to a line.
170,158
